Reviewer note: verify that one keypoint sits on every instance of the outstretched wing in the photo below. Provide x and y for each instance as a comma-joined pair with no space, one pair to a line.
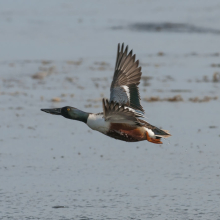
118,114
124,87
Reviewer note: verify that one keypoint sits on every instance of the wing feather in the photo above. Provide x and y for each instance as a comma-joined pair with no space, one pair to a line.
115,113
127,75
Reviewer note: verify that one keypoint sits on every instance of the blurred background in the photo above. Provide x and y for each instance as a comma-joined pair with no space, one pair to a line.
56,53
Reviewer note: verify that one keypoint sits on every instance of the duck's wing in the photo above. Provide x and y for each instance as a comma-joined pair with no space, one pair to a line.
127,75
115,113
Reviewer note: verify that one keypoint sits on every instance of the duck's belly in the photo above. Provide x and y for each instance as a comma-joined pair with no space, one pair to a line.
126,132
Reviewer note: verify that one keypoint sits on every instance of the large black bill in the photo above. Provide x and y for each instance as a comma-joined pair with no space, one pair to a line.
54,111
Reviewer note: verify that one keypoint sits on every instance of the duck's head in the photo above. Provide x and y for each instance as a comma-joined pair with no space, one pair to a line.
68,112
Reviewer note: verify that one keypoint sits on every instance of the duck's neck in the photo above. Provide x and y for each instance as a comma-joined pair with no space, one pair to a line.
79,115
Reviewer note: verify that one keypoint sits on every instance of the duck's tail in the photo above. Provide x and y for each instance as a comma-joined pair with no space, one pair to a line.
161,133
158,134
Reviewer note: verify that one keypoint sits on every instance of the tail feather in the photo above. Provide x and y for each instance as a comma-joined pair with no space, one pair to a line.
165,131
161,133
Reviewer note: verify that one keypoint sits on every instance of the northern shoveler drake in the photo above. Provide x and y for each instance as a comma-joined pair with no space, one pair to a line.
122,116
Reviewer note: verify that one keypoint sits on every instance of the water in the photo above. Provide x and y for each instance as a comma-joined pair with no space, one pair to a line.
53,168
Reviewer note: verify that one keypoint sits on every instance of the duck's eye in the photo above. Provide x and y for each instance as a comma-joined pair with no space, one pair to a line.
68,109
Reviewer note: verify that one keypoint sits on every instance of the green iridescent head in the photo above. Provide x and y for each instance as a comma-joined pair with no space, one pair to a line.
69,112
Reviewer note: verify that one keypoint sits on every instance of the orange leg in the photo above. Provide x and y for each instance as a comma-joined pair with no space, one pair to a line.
155,141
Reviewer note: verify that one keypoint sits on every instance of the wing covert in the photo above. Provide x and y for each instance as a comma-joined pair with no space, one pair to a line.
115,113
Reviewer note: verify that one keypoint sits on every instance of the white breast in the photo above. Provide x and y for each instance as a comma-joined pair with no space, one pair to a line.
98,123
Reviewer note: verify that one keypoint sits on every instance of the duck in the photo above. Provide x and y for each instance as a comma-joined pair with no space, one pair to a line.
122,117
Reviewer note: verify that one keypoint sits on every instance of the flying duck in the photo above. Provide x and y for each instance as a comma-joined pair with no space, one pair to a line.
122,116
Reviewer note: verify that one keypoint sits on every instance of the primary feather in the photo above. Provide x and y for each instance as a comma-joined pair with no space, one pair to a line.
127,75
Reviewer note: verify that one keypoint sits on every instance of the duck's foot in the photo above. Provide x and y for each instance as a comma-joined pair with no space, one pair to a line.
153,140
